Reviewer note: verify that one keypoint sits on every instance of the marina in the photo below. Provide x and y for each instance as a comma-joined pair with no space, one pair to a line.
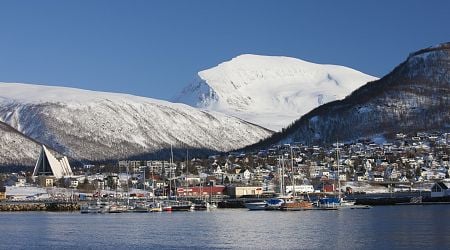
382,227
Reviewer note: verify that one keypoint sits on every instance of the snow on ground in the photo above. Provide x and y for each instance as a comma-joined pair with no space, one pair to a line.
365,187
21,193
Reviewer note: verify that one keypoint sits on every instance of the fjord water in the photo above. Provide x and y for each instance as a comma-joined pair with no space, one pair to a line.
389,227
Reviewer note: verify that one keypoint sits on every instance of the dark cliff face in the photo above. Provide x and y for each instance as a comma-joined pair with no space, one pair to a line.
414,97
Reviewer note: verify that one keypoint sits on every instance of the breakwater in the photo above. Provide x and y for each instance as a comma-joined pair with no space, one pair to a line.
39,206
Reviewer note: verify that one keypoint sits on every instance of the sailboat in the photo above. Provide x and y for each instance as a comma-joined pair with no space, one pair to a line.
154,206
338,202
176,205
295,203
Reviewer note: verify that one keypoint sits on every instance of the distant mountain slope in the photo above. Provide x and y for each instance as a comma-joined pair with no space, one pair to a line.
271,91
102,126
16,149
414,97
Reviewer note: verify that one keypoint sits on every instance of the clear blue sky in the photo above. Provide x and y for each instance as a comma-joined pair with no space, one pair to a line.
154,48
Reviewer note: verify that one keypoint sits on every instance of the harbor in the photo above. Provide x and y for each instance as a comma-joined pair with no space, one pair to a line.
383,227
365,201
289,177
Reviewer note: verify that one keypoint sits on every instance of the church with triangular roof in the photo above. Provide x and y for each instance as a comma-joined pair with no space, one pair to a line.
48,165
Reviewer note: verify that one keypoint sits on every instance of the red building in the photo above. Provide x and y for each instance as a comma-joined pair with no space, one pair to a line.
200,191
328,188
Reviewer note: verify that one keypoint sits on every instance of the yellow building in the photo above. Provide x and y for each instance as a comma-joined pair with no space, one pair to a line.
237,192
2,193
46,181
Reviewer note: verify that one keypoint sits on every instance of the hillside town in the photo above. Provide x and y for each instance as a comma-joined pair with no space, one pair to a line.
408,163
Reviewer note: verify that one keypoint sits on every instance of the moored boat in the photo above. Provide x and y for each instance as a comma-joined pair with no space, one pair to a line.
138,208
181,206
258,205
199,206
274,204
296,205
116,208
156,207
94,207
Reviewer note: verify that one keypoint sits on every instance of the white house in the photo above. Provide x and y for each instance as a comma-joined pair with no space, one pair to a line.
21,181
378,178
246,175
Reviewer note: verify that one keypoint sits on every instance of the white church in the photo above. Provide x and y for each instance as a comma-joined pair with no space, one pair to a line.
49,168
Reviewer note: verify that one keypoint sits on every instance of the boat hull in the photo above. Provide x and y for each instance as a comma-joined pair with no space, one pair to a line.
296,206
255,206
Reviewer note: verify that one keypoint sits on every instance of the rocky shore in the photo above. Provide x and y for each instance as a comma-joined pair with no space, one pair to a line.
39,206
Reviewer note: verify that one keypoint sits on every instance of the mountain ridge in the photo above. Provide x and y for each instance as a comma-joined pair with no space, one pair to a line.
97,126
410,98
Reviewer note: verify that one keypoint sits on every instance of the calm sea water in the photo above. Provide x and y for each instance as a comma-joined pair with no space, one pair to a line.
389,227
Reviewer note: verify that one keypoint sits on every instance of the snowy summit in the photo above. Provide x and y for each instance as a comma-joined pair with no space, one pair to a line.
271,91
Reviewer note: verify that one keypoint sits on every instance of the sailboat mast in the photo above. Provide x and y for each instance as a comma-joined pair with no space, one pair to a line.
337,157
170,172
293,176
173,174
153,184
187,171
282,175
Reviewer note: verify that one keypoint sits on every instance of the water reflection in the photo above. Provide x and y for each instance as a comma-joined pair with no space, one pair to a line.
380,227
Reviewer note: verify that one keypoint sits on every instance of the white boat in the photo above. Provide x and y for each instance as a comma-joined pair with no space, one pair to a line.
117,208
211,206
94,207
155,207
259,205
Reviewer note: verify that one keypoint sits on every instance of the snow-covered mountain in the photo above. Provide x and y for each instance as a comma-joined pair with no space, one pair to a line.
271,91
414,97
101,126
16,148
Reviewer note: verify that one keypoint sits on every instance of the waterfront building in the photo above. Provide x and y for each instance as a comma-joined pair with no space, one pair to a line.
236,192
201,191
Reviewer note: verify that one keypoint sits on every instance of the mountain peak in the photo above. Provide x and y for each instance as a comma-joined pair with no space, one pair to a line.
271,91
